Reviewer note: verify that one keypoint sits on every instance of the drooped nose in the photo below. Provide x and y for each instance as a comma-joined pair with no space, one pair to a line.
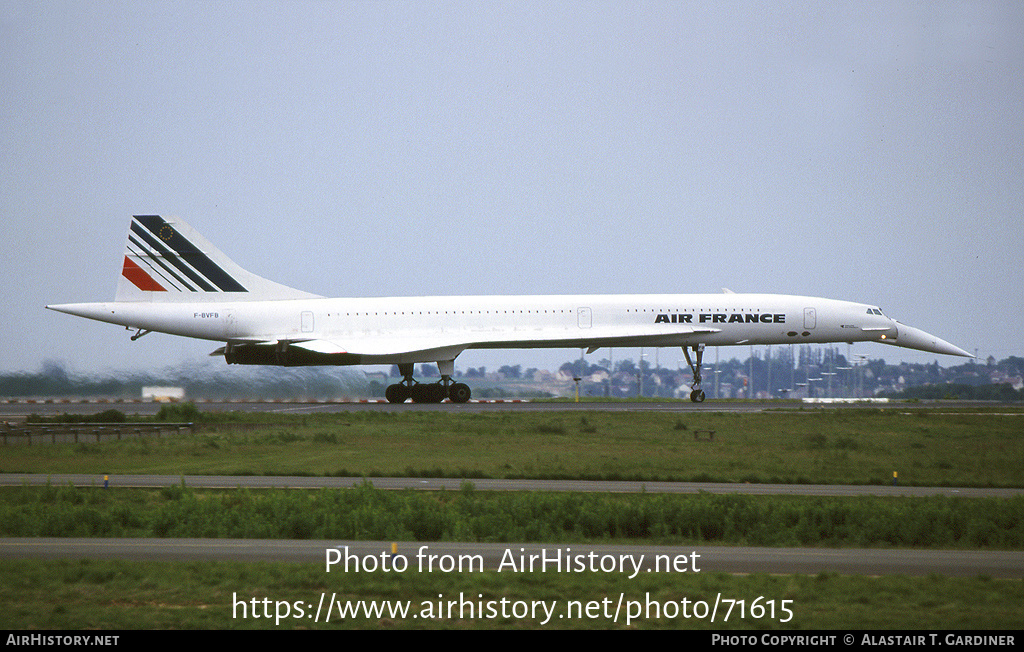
915,338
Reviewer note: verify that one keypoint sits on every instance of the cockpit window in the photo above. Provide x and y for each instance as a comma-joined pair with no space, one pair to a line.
875,311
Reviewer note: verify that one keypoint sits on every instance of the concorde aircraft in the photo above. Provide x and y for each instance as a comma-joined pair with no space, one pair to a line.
175,281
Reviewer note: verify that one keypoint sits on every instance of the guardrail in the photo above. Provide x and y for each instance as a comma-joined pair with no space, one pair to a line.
32,434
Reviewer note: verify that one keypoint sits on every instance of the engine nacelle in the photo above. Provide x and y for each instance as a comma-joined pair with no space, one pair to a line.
282,355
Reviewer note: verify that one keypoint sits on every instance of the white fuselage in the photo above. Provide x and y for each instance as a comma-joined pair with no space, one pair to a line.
397,329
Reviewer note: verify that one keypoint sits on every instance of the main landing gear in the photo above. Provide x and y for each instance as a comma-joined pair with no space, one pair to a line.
697,395
427,392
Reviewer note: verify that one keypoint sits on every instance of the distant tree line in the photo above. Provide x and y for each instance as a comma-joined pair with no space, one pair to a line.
199,381
775,371
1003,392
805,370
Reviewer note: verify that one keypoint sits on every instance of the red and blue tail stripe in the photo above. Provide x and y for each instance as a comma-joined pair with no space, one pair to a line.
166,260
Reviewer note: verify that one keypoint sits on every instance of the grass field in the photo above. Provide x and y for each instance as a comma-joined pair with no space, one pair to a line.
855,446
925,447
367,513
105,594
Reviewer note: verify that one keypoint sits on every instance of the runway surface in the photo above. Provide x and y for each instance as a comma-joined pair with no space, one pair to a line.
16,411
449,556
454,484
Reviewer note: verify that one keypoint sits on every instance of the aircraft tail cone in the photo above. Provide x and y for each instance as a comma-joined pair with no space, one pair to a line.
99,311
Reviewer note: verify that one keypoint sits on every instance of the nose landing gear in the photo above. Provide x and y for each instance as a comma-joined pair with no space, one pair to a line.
697,394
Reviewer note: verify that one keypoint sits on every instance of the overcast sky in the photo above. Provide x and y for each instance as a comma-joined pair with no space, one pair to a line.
867,151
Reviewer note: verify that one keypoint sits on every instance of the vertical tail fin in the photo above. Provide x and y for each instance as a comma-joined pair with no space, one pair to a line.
166,260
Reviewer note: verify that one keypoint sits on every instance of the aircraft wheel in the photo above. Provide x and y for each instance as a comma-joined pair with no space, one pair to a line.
459,393
428,393
437,393
419,393
396,393
697,396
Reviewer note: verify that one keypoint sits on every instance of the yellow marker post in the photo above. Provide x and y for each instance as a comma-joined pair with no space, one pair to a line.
894,478
394,549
